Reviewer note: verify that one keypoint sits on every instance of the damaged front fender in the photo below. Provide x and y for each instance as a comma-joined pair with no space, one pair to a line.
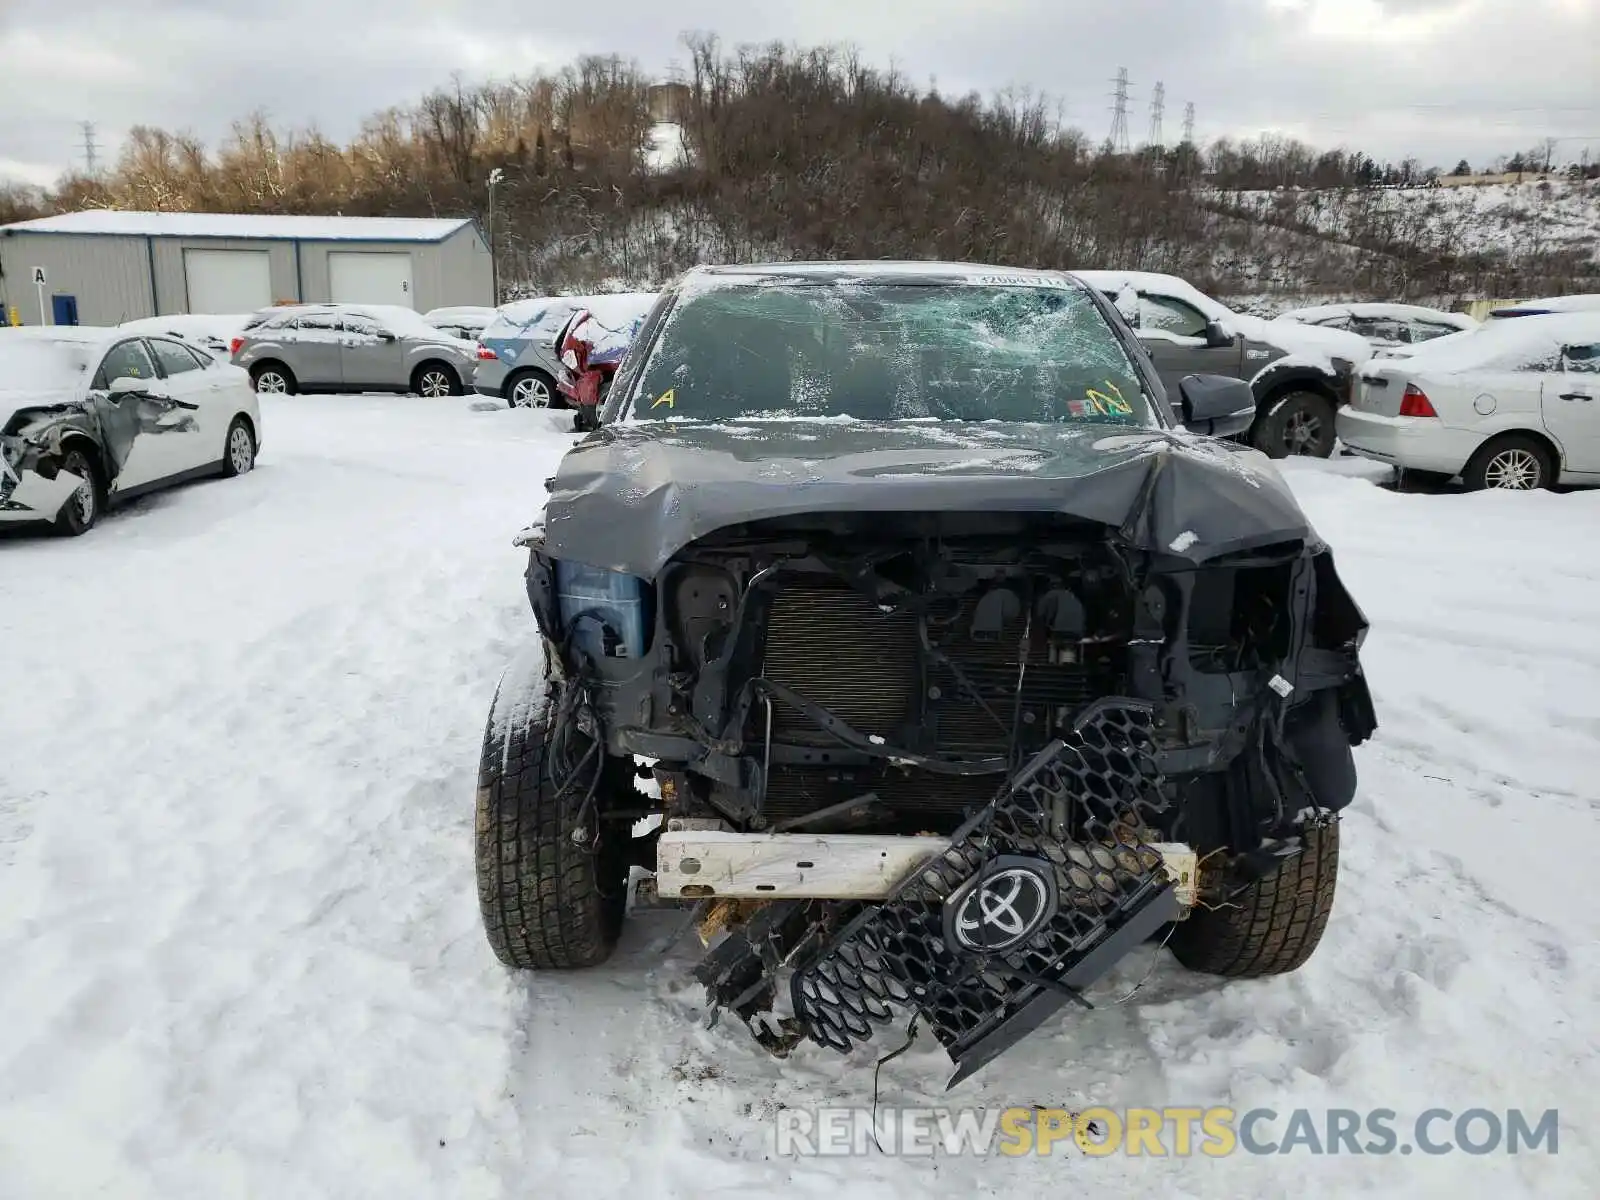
33,486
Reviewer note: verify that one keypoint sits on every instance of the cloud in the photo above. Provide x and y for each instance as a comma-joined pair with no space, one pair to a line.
1439,79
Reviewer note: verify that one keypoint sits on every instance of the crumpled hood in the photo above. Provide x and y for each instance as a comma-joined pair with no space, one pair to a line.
629,497
15,401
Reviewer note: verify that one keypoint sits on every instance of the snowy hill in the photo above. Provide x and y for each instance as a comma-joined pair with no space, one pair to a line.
1506,220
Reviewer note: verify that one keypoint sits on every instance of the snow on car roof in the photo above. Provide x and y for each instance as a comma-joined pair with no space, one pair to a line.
398,319
846,270
243,225
188,325
1113,282
535,308
616,309
460,312
1381,311
1548,304
1527,340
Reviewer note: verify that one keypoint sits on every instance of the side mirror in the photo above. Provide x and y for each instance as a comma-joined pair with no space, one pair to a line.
1216,336
1216,405
385,336
132,385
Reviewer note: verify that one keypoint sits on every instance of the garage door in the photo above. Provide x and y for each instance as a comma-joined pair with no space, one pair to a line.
227,281
355,277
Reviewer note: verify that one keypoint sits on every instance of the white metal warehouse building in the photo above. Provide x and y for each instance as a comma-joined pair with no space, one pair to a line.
102,267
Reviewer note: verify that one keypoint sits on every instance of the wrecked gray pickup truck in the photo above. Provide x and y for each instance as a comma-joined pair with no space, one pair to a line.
960,672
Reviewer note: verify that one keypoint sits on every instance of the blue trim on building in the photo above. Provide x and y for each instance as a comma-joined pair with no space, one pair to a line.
299,275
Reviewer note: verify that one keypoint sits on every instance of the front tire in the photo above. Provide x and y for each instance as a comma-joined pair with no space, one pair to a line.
1514,462
82,509
548,903
1296,424
1274,925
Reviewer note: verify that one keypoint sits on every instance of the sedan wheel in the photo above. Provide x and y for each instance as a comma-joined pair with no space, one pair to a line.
1513,468
241,454
82,508
1513,462
435,384
530,392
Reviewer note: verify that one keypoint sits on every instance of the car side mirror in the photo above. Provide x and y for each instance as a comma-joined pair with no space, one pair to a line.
1216,405
385,336
1216,336
131,385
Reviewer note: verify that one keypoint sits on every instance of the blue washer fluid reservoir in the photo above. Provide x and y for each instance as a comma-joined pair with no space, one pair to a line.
612,599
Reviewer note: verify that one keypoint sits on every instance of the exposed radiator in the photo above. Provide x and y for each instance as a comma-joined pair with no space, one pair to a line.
832,645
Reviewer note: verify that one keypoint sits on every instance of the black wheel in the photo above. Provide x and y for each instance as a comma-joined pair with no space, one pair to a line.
435,380
1297,423
82,509
273,379
1513,462
1273,926
550,901
239,450
532,389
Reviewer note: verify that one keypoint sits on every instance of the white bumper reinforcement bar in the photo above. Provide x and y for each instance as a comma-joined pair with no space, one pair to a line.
693,864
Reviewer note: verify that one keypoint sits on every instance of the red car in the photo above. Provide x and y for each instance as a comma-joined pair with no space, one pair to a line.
593,345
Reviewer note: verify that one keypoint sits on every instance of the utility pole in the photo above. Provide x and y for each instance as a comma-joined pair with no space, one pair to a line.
1119,114
1158,107
495,176
1188,122
91,152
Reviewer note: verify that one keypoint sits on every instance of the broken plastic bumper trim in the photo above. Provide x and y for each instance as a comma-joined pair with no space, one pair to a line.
34,498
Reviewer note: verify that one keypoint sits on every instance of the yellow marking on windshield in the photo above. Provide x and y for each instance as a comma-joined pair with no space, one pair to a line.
667,397
1109,405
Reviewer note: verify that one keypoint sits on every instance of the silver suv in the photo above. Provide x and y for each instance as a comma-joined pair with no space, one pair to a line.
353,348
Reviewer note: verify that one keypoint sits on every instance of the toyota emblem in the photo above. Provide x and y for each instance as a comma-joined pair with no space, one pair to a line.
1001,907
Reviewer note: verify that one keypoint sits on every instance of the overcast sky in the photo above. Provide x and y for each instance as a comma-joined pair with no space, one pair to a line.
1440,79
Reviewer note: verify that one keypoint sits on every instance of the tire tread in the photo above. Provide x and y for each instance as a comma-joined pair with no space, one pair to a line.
539,893
1274,926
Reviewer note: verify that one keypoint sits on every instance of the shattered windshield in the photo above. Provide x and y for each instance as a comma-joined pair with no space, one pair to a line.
890,351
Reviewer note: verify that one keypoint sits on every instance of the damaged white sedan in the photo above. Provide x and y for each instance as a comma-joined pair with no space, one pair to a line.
91,418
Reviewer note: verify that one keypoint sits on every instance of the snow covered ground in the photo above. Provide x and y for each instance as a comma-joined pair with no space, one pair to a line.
239,943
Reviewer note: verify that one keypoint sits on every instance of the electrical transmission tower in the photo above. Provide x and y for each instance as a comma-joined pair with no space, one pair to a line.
1188,122
1119,115
1158,107
91,152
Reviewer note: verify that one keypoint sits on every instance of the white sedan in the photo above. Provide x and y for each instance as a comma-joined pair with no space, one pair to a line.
90,418
1514,404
